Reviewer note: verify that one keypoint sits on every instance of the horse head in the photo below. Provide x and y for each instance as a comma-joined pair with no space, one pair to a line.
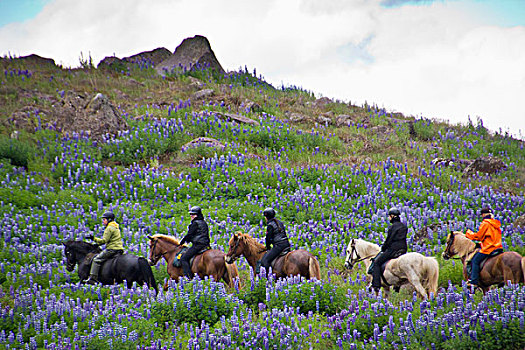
352,256
76,251
449,252
158,247
359,250
235,248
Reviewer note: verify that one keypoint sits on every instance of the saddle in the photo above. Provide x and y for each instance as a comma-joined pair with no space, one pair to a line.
89,258
177,263
283,253
482,263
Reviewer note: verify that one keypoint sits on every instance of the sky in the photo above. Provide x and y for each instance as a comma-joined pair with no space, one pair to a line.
439,59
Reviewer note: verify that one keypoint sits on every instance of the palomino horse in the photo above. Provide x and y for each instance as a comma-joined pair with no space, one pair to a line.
209,263
125,267
411,268
507,266
297,262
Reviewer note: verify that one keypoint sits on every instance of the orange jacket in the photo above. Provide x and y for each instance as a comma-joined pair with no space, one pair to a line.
489,235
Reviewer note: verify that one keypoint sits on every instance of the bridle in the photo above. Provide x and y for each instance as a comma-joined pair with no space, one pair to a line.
446,254
359,258
156,257
233,256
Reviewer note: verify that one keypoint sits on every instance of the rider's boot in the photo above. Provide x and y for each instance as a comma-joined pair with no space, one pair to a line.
93,280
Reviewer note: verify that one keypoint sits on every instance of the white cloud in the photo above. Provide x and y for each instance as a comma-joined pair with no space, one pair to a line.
434,60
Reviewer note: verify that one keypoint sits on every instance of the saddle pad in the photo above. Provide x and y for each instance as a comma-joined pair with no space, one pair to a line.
177,262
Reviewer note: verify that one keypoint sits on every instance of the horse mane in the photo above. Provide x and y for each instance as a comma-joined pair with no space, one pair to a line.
254,247
463,246
82,247
368,248
169,239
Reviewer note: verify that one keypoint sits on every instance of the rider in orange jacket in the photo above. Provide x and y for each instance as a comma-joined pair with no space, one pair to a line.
489,234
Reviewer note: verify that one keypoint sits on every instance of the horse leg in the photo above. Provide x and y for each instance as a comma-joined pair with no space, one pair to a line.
508,274
413,278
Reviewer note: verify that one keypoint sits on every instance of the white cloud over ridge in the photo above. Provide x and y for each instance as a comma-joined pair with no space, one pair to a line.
434,60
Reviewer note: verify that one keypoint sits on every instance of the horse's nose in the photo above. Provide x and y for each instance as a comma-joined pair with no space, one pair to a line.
228,259
150,262
347,265
445,256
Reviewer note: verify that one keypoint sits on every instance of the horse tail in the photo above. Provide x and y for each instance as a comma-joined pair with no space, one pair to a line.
313,268
147,274
231,273
433,276
523,269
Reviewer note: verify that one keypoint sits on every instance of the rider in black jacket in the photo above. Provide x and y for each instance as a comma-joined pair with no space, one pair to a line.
394,246
199,235
276,240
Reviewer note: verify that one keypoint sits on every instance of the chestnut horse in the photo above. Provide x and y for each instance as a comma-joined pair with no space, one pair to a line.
417,270
508,266
297,262
210,263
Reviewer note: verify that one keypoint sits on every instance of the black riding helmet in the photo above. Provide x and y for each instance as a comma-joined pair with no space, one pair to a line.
109,216
269,213
394,211
195,211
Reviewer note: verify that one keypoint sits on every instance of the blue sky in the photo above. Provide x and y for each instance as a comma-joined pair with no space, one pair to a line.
19,10
496,12
442,59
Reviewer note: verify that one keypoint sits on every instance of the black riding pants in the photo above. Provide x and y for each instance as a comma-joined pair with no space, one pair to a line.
186,257
378,261
273,253
100,258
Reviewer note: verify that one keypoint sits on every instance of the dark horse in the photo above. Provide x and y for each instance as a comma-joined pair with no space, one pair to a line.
128,267
210,263
297,262
508,266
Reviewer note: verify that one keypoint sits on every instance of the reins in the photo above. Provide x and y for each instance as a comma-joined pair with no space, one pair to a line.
359,258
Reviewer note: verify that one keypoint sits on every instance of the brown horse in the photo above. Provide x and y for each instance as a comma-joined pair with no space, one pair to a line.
297,262
508,266
210,263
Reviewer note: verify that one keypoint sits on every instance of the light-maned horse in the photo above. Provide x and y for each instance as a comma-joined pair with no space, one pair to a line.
124,267
297,262
507,266
210,263
419,271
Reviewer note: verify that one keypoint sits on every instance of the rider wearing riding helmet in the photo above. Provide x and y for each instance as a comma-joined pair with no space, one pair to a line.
114,246
199,235
489,234
394,246
276,240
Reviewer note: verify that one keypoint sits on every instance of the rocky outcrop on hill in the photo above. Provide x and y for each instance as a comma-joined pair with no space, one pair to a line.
202,141
32,60
192,53
154,56
74,113
489,165
146,58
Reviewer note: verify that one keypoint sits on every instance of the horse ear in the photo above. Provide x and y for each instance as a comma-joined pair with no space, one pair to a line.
150,238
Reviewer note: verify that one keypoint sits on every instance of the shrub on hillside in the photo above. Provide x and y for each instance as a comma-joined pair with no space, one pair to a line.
18,152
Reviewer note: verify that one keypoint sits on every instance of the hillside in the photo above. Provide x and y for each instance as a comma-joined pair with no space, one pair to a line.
76,142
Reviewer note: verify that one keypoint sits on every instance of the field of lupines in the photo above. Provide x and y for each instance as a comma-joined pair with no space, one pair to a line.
54,187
